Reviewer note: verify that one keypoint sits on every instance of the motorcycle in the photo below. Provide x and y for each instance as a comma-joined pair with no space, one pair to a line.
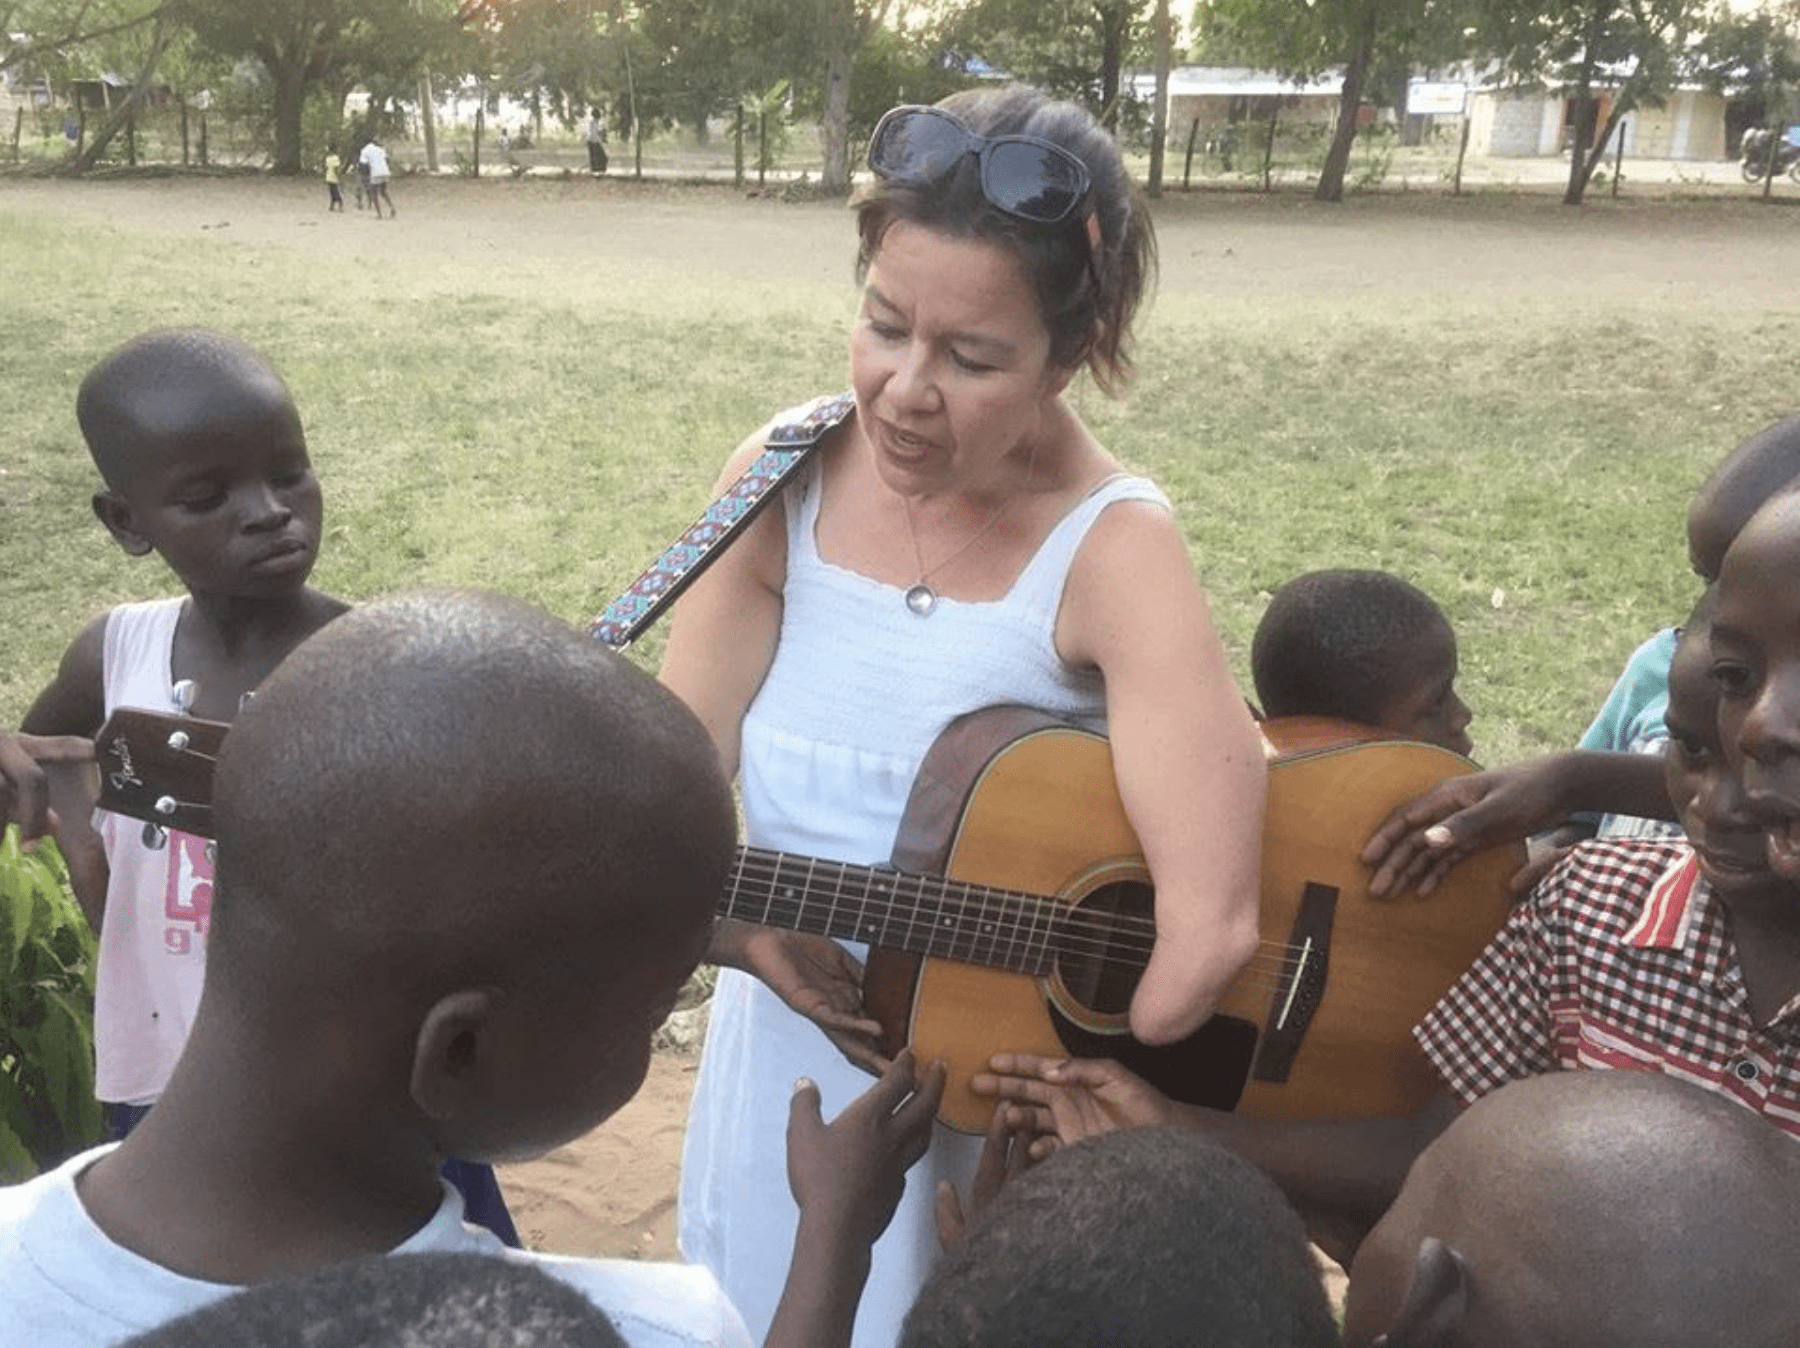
1755,165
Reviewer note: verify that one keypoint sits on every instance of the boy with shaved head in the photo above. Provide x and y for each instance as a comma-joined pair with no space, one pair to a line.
1152,1237
1589,1210
467,858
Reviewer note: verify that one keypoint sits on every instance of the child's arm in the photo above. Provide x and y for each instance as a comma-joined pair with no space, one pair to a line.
74,704
1421,840
847,1177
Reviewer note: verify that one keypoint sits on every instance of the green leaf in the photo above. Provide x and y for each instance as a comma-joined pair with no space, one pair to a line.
53,1042
17,895
16,1162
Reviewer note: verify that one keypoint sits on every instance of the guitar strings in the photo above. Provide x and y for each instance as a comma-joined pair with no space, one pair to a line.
1074,928
1120,940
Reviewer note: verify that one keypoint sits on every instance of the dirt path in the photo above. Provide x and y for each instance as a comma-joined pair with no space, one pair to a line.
576,236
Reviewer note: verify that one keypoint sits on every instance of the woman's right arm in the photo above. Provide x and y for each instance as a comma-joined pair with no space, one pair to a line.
722,639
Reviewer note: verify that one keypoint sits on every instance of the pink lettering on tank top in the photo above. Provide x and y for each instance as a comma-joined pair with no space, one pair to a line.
187,895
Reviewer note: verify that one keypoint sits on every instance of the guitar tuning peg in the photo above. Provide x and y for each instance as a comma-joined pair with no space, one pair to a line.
178,740
183,694
155,837
212,854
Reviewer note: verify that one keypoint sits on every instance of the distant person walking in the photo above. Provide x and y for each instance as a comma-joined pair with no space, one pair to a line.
374,159
596,141
334,179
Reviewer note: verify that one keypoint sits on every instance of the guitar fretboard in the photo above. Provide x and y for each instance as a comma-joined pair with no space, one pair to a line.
920,914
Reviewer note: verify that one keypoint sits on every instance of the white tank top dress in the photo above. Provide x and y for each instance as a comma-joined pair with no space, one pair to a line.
859,688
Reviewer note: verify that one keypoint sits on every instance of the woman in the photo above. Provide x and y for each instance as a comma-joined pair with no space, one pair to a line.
959,540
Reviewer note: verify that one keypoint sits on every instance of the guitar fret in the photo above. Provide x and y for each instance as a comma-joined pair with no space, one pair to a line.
965,941
875,920
920,914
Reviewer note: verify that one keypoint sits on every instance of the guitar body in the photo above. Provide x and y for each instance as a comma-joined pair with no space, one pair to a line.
1038,811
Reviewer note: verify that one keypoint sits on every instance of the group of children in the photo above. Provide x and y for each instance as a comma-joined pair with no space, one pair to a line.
414,945
372,174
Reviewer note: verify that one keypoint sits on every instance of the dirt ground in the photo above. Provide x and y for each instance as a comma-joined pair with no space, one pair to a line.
612,1193
1705,247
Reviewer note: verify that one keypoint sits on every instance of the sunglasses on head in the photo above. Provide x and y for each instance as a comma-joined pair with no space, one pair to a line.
1025,176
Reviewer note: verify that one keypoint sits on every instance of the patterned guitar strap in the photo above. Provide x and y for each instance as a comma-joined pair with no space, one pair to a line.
792,439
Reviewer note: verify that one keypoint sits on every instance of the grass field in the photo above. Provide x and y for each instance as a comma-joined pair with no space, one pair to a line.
530,386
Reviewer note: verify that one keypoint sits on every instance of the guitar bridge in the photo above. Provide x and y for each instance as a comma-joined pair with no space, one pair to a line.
1298,994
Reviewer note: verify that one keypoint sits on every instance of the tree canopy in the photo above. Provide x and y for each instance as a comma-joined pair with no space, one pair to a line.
841,62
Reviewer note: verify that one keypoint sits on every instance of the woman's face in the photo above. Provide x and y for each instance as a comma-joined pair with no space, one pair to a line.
950,360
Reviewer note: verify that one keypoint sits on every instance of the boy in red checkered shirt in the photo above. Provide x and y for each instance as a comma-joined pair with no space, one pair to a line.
1667,956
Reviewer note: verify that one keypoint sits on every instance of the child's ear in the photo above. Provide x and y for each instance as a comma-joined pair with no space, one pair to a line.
1435,1303
448,1052
111,510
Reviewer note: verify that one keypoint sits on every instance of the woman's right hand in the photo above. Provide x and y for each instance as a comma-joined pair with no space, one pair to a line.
815,976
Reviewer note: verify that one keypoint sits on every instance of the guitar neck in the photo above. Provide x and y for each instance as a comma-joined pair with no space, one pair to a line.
917,914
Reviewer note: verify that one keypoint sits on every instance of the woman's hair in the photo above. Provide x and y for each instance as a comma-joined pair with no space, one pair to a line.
1088,313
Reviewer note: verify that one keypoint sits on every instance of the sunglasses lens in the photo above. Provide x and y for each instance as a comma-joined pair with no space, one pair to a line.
916,145
1033,182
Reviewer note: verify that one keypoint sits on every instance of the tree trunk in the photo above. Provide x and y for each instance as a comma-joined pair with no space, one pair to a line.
834,134
428,121
1159,113
1356,75
117,118
1115,26
1579,167
290,95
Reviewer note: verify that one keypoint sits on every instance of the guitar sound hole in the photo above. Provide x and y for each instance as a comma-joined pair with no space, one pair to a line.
1105,943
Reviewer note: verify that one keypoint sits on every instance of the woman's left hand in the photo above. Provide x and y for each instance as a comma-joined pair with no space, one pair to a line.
815,976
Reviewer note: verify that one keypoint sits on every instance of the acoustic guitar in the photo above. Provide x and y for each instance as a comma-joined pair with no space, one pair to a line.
1018,913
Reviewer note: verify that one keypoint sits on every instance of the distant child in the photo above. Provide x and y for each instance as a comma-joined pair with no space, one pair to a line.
1154,1237
205,463
1681,957
1361,646
447,923
398,1301
1600,1209
374,161
1612,783
334,169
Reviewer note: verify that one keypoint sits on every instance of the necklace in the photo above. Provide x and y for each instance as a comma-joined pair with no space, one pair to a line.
920,598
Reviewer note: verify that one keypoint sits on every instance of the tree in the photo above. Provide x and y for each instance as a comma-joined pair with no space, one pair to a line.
1305,41
301,43
1075,49
1637,47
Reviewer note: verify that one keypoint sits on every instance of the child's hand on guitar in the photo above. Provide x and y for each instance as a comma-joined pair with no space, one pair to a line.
848,1175
815,976
1062,1100
1417,844
1004,1153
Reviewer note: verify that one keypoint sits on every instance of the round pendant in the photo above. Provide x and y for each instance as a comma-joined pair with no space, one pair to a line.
921,599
